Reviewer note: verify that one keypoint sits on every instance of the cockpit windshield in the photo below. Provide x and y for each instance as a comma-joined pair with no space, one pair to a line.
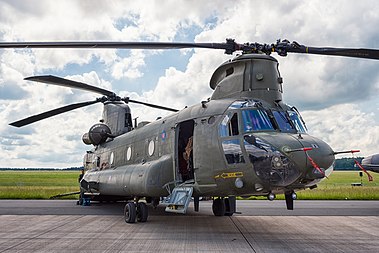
283,121
298,123
258,117
256,120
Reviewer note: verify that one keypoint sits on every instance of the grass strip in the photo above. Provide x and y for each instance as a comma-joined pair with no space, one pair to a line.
44,184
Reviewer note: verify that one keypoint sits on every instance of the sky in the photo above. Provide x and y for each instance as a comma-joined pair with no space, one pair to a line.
337,96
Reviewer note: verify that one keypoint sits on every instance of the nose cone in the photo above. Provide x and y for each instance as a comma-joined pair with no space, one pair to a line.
320,160
321,152
271,165
315,163
279,159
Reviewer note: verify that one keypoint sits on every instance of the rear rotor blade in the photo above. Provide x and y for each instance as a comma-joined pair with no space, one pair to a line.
127,100
284,47
347,52
51,113
49,79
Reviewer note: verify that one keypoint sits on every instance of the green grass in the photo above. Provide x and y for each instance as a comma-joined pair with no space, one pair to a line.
338,187
37,184
44,184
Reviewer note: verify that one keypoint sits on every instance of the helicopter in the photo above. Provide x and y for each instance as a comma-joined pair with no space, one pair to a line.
243,141
371,163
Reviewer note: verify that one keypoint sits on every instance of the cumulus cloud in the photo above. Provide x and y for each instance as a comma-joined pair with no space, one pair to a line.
128,67
345,127
325,89
9,91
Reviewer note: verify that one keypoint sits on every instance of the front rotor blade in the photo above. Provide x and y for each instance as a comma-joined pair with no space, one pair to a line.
281,47
51,113
150,105
115,45
69,83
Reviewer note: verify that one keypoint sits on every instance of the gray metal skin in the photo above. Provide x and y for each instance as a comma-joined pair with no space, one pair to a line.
371,163
130,170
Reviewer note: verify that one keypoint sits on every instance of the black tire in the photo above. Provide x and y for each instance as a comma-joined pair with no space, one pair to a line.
142,212
218,207
130,212
228,211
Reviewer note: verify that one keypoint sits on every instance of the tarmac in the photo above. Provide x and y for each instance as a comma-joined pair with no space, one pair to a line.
262,226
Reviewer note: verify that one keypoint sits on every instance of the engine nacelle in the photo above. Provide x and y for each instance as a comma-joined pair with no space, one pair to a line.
97,134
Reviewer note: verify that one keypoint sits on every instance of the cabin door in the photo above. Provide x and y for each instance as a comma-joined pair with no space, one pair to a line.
184,151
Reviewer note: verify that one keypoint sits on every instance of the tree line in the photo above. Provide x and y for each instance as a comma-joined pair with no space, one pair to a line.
347,163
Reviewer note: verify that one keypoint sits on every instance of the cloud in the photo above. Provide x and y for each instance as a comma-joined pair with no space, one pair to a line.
345,127
128,67
325,89
10,91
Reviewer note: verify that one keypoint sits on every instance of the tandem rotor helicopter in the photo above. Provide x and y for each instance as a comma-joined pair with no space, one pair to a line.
243,141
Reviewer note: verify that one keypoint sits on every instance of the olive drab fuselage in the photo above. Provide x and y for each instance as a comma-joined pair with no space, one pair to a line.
244,141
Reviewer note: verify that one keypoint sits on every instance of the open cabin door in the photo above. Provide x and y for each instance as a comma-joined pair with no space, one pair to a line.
180,197
184,151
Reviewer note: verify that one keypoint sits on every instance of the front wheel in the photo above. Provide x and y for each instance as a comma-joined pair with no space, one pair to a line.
218,207
130,212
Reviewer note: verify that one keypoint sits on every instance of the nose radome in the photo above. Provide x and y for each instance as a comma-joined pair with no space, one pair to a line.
271,165
321,152
310,157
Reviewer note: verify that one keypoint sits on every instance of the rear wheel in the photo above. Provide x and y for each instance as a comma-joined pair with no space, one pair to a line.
142,212
130,212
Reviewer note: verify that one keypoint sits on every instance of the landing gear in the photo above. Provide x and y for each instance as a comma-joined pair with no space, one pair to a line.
218,207
224,206
155,202
130,212
230,205
133,211
142,212
290,197
196,203
81,198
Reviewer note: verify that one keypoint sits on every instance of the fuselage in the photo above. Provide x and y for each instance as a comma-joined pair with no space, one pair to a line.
243,141
239,148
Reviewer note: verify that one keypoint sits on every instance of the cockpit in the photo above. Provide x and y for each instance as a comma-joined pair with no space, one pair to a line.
241,130
257,118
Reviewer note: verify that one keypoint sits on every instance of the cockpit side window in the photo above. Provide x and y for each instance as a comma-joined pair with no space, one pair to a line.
233,151
256,120
297,122
229,126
